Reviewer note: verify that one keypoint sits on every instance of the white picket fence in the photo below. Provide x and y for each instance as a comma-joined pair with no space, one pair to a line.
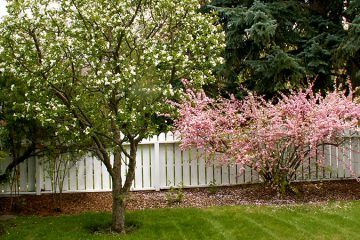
161,164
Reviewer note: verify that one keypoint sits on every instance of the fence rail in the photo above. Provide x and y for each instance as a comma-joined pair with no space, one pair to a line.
161,164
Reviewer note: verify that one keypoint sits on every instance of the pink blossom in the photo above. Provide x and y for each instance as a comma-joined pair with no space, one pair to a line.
272,139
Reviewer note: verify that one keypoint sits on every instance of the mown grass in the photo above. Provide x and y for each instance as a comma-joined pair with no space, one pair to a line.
335,220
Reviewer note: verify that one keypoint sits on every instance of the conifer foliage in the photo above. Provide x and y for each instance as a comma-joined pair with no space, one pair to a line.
275,45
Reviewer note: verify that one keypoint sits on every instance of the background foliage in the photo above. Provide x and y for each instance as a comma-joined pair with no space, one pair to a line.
275,45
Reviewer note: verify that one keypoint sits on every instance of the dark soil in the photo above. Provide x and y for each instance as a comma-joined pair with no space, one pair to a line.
73,203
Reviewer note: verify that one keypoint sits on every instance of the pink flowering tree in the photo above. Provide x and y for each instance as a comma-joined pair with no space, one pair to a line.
273,139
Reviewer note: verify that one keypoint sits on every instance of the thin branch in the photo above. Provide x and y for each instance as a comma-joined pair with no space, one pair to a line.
31,32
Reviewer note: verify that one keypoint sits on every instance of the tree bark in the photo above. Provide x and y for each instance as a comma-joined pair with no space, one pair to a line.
118,197
16,161
118,212
120,192
118,207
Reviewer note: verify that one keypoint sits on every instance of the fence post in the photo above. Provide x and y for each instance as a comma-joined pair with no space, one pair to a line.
157,166
39,176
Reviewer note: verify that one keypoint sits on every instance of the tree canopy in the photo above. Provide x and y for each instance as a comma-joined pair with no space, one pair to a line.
273,139
275,45
22,138
103,70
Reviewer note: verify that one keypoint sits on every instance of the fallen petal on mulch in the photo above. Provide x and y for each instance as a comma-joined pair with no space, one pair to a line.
74,203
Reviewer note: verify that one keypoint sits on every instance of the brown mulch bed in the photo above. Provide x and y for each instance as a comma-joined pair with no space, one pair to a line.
73,203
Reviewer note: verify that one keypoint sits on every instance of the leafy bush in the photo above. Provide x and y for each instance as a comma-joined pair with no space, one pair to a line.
175,195
272,137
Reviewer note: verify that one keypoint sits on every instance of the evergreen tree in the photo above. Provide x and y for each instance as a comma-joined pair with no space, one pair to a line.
275,45
348,53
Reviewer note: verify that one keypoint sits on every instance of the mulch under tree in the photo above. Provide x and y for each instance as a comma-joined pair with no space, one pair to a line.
74,203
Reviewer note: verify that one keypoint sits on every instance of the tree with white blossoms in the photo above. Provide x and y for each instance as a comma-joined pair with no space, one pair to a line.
103,70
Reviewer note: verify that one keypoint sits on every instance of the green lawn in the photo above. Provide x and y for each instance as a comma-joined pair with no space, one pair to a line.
328,221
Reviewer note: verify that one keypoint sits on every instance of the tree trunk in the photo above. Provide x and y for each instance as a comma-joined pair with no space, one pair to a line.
16,160
119,191
118,208
118,196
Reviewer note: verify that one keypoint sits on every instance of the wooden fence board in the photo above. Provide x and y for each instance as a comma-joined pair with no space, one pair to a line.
202,169
178,164
146,162
97,174
31,175
161,164
89,173
81,175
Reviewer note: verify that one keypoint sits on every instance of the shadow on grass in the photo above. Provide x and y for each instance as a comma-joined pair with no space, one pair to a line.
2,229
105,228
